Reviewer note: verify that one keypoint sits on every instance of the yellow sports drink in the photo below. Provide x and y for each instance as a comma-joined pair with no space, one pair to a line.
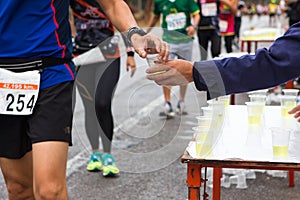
254,120
280,151
202,137
286,107
203,149
225,100
280,141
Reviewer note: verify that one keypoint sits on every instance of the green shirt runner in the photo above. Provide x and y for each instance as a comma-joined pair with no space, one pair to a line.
176,17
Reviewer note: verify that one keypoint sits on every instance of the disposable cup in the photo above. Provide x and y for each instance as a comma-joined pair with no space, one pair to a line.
203,149
217,106
280,141
202,133
204,120
233,179
151,59
203,139
218,113
255,112
226,100
225,181
290,92
241,181
287,102
258,98
207,111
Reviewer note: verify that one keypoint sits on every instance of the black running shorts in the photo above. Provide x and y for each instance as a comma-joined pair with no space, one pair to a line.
51,121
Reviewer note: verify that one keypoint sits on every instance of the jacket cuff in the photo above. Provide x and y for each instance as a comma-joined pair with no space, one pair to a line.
207,78
199,82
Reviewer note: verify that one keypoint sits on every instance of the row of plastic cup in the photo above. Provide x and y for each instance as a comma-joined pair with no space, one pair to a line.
209,126
280,134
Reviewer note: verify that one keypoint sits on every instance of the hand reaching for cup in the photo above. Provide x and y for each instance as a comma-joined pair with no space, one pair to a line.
171,73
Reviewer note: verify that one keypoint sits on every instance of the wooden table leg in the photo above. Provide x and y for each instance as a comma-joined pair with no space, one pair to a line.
217,174
242,46
249,46
255,47
291,178
193,181
232,99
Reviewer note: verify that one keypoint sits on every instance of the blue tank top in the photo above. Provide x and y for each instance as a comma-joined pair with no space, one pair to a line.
32,29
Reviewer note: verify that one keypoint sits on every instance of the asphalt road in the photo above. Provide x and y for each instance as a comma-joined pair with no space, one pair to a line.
148,148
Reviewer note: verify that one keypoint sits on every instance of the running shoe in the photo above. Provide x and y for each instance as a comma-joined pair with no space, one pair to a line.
109,166
181,108
169,113
95,162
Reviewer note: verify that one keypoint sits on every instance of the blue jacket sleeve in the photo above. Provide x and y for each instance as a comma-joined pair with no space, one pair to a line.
267,68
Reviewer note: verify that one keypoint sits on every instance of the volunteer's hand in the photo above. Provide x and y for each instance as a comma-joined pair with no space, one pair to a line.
296,112
150,44
130,65
171,73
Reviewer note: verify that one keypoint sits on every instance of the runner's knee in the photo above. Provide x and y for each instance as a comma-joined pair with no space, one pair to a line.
19,190
50,191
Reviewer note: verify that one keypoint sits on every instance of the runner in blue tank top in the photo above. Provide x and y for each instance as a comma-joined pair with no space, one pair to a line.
42,31
36,83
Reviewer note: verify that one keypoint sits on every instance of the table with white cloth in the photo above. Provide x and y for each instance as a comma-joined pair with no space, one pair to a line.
240,145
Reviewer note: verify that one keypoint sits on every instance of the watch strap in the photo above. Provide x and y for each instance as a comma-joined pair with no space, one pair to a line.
134,30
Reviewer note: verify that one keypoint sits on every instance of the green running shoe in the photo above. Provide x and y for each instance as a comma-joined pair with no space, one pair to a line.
95,162
109,166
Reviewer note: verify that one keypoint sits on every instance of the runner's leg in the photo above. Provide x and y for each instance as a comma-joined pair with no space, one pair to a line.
18,177
49,128
103,99
49,164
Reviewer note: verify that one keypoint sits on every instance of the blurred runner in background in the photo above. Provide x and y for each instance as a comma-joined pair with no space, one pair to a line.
179,33
208,28
228,9
272,10
242,9
96,83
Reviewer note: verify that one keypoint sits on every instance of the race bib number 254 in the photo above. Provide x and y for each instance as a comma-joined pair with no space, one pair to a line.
18,92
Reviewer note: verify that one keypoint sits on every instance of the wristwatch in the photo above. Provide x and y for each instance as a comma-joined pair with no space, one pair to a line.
134,30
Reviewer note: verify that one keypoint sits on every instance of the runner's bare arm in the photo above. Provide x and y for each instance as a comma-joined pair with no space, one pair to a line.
122,18
119,14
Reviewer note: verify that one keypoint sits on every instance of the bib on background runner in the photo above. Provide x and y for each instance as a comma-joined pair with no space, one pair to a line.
176,21
209,9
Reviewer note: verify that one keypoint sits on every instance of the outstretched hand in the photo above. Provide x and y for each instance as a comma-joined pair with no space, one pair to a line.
171,73
296,112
